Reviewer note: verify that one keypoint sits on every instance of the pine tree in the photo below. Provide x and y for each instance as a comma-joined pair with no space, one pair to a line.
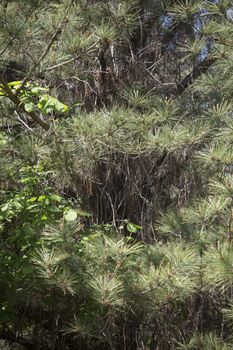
116,215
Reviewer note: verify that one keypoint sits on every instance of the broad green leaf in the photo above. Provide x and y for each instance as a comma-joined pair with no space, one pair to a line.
31,200
83,213
71,215
56,198
48,104
2,92
42,198
5,207
15,83
32,206
29,107
37,90
17,205
132,227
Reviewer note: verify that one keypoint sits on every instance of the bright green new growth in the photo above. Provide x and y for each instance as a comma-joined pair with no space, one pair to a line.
32,95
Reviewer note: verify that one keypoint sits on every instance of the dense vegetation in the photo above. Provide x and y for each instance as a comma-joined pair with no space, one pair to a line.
116,183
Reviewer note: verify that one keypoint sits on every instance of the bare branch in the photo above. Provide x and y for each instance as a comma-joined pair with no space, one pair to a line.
196,73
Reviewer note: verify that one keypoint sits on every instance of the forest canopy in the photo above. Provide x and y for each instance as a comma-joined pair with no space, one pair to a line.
116,183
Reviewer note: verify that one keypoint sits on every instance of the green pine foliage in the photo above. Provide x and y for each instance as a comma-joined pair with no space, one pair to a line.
116,186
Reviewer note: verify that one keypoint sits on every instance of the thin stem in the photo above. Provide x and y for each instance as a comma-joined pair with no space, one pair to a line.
20,105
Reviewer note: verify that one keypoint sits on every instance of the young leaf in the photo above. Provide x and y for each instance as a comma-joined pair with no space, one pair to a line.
48,104
29,107
71,215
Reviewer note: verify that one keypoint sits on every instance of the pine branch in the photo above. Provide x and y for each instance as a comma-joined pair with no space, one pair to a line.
8,44
48,47
190,78
58,65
